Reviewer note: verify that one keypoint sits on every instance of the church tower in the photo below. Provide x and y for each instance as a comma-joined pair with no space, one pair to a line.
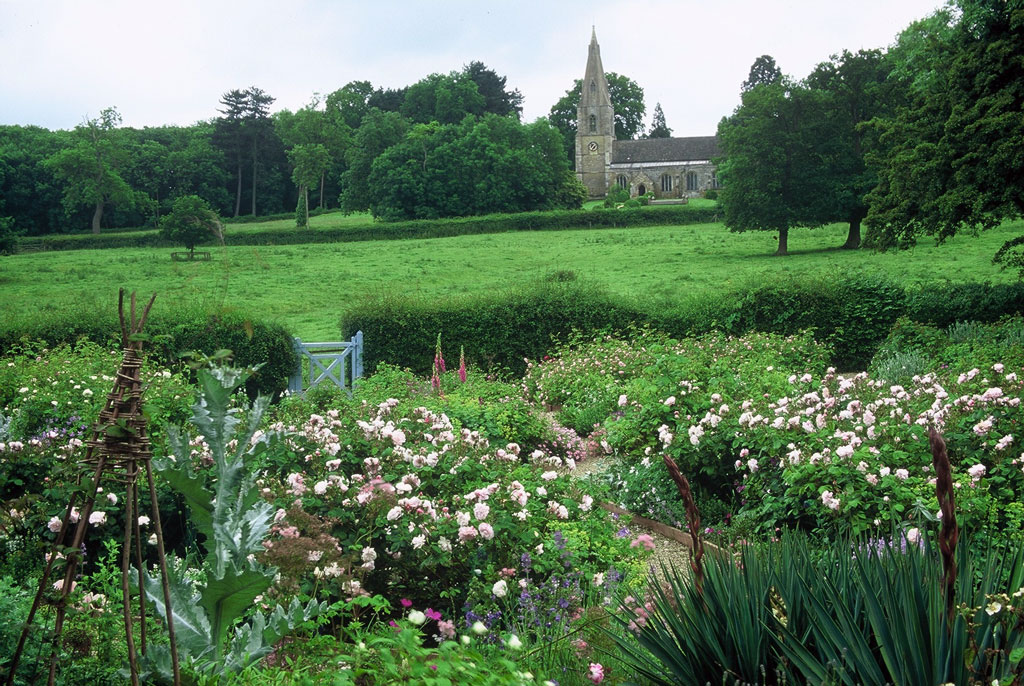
595,126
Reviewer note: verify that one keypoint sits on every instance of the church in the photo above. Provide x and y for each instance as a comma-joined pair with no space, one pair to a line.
667,167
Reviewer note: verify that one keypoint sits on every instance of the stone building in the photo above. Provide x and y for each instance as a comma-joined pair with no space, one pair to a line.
667,167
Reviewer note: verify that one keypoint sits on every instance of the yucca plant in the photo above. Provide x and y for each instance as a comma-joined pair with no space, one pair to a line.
695,637
880,617
894,611
209,603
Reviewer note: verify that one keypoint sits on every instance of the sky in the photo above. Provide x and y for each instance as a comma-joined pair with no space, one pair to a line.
63,61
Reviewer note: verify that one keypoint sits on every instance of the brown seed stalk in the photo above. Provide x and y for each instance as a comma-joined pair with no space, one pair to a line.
692,521
950,532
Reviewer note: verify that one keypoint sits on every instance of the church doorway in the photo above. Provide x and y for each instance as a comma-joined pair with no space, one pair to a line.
641,190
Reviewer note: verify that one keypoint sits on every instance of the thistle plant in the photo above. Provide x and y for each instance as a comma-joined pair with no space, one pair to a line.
209,604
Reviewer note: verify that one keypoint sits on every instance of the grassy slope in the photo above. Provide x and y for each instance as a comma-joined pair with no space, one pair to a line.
306,287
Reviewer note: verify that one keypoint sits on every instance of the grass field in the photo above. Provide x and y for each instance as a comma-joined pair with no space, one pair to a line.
307,287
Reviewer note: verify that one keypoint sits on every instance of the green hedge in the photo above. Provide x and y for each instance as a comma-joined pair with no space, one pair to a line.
424,228
942,305
852,316
498,330
184,329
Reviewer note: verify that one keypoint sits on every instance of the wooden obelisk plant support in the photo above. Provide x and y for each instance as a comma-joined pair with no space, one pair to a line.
118,451
692,521
950,532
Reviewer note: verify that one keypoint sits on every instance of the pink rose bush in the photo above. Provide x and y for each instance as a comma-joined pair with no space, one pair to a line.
847,450
761,424
415,496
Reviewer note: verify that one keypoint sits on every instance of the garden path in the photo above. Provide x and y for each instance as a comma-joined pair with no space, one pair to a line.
670,550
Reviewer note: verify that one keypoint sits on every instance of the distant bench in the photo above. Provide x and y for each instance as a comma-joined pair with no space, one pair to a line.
189,256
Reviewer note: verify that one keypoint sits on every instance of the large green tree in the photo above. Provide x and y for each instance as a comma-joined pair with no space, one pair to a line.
444,98
497,98
378,132
31,192
857,91
478,166
659,129
763,72
309,161
194,166
259,129
229,135
950,158
191,221
245,132
322,122
387,99
627,102
771,166
91,167
350,103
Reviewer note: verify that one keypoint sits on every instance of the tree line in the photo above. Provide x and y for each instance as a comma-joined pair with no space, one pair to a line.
922,139
445,129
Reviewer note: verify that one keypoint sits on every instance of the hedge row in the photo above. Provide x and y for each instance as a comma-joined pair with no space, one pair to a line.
852,316
256,219
424,228
172,333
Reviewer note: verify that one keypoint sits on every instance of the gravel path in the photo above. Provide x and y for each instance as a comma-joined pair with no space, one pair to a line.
669,551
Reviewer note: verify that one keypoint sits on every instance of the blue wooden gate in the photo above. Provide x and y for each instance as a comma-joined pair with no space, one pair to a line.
340,363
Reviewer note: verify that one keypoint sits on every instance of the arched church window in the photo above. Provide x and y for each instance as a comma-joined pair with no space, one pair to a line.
593,123
593,88
622,181
666,183
714,180
691,181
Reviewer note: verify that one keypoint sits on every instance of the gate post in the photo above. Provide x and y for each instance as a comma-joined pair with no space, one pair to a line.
295,380
357,357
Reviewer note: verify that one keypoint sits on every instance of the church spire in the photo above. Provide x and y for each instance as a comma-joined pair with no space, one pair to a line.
595,125
595,87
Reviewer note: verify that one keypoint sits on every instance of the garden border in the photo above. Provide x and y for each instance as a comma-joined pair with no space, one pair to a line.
665,530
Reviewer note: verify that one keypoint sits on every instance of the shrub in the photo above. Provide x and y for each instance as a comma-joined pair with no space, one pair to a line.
853,315
557,220
962,346
173,331
616,197
430,510
945,304
8,236
497,331
252,342
899,367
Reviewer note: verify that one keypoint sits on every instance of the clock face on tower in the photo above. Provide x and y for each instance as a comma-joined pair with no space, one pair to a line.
593,146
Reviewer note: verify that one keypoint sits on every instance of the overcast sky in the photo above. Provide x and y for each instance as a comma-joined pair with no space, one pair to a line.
169,63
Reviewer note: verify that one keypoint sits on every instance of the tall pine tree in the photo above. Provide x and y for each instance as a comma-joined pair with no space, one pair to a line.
229,135
260,127
659,129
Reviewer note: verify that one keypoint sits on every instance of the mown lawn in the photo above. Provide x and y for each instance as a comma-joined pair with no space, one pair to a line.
306,287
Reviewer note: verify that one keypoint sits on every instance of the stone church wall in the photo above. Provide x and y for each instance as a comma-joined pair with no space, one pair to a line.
649,176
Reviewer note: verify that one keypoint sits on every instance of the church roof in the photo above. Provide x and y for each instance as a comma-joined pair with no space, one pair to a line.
665,150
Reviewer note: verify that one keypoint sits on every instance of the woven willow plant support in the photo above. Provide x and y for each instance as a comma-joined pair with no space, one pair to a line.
118,452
